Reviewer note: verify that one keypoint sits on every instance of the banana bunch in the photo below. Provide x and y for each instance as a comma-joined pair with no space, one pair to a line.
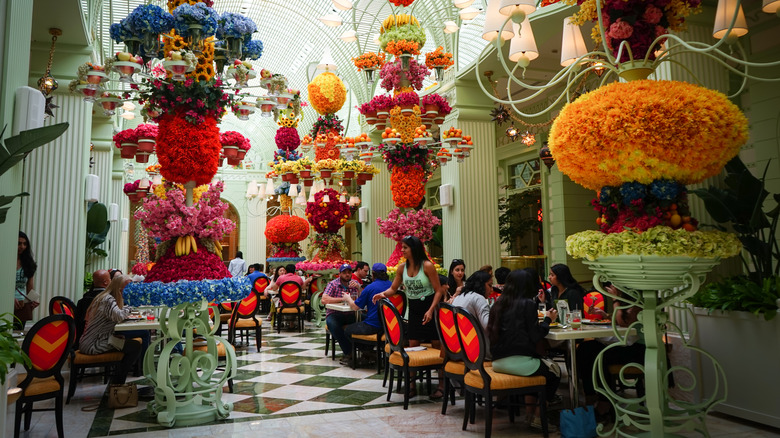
217,248
398,20
185,245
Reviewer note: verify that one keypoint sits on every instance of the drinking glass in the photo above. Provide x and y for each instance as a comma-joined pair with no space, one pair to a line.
576,319
542,307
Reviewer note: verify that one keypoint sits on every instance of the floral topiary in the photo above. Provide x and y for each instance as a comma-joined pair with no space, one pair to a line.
327,217
286,229
327,93
287,139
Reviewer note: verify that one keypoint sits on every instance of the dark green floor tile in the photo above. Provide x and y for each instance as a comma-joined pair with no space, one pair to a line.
294,359
139,416
308,369
247,374
263,405
281,350
276,344
348,397
327,382
254,388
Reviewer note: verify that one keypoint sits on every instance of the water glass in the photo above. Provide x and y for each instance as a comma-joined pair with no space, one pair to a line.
576,319
542,307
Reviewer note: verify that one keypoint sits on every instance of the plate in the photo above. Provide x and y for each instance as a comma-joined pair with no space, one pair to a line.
134,318
597,322
555,325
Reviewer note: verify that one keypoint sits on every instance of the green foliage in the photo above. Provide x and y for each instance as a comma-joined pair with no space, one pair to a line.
742,294
514,220
741,205
88,281
16,148
10,350
97,229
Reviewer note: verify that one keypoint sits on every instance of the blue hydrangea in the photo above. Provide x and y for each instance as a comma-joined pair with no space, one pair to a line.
285,259
121,32
233,25
150,19
198,14
632,191
665,189
159,294
253,49
605,195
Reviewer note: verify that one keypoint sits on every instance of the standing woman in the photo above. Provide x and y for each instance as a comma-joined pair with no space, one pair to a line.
25,271
565,287
107,309
455,279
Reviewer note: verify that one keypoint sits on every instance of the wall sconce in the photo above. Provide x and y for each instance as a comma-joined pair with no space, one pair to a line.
113,212
92,190
363,215
252,190
125,225
445,195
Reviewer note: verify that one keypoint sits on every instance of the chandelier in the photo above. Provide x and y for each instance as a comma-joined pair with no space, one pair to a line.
632,46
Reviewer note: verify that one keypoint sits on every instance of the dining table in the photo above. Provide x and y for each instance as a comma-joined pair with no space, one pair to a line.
570,335
137,324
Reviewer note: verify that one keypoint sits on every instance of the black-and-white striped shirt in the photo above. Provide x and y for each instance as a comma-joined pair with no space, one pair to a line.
100,325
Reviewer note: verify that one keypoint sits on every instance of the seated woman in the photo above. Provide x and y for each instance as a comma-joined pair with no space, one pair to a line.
108,309
472,296
514,330
565,287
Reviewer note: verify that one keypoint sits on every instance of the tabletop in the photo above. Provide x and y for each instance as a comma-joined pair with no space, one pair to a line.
587,331
140,324
339,307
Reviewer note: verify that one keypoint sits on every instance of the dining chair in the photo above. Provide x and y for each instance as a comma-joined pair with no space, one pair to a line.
454,368
47,344
62,305
400,301
289,304
259,287
244,320
81,362
405,362
592,300
375,341
484,381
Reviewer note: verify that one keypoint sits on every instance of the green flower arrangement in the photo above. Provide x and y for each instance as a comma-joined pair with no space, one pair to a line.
659,241
353,165
408,32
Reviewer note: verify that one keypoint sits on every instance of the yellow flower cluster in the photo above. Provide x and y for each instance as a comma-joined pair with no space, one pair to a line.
646,130
285,202
327,93
160,191
405,124
288,122
327,163
204,71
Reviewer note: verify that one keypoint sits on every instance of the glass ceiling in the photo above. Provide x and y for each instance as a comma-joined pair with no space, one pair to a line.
294,41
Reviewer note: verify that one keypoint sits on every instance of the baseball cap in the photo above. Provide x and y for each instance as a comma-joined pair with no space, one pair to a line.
379,267
344,267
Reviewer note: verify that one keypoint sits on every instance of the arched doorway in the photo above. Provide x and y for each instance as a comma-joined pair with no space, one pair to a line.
230,241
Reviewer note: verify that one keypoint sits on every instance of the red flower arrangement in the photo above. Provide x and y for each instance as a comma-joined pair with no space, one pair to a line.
146,130
286,229
327,217
126,136
287,139
330,150
402,2
407,185
407,99
383,102
367,108
188,152
437,100
201,265
233,138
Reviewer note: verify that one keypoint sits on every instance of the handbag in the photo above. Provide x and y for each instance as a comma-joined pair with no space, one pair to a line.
578,423
25,313
123,395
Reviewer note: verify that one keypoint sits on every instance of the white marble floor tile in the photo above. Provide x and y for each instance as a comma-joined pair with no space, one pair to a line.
280,378
296,392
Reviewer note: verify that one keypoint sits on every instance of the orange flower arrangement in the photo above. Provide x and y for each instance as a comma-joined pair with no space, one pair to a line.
187,152
369,60
405,124
438,58
407,185
286,229
645,130
327,93
401,47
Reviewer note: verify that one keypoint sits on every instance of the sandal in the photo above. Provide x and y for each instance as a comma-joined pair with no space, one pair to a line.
413,391
436,395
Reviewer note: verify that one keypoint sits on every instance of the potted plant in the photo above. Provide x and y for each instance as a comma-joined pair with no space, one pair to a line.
737,316
10,352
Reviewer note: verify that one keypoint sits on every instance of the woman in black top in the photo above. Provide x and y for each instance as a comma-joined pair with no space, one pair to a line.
514,330
565,287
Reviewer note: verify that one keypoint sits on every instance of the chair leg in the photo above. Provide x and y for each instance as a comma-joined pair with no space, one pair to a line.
466,407
354,353
58,414
387,366
258,336
74,370
333,347
28,415
390,388
542,400
230,385
407,388
378,357
18,418
488,415
445,399
327,342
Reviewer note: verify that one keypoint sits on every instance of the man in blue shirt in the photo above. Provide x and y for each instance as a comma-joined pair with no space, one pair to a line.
257,273
370,324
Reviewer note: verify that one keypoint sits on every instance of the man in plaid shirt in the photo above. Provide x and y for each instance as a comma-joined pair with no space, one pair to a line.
336,320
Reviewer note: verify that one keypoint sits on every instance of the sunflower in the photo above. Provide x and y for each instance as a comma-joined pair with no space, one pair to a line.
210,70
202,61
201,77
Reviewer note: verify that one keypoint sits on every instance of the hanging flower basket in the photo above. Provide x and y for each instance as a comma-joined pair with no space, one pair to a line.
382,114
431,110
325,173
146,145
241,153
129,150
142,157
308,182
230,151
95,77
89,93
234,161
349,174
306,172
177,69
364,176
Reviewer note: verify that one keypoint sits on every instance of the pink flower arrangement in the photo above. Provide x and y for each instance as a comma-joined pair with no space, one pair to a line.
171,217
287,138
139,269
436,99
146,130
366,108
233,138
418,223
322,266
131,187
126,136
407,99
392,75
383,102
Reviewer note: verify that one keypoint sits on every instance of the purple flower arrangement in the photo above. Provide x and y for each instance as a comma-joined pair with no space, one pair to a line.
233,25
150,19
199,14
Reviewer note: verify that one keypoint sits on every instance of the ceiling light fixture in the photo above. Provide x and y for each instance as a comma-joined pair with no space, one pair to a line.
342,5
460,4
331,20
47,84
450,27
469,13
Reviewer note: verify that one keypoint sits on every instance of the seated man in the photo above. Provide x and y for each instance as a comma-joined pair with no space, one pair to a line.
335,293
370,325
100,280
256,272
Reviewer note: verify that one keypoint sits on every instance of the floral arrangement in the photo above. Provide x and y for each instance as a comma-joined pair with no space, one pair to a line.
392,73
159,293
149,19
660,241
173,4
406,155
438,58
252,49
417,223
382,102
638,22
234,138
349,165
403,47
367,108
161,190
139,269
327,93
188,152
171,217
233,25
327,217
154,168
329,123
643,130
125,136
286,229
369,61
324,265
401,3
197,14
197,100
282,155
327,163
131,187
412,33
407,185
407,99
122,31
405,124
437,100
330,247
287,139
146,130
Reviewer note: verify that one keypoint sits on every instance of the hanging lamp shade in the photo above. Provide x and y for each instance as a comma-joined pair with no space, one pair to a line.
517,9
494,21
573,45
251,190
269,187
327,63
723,17
771,6
128,106
342,5
293,192
460,4
468,13
451,27
349,36
261,190
523,44
331,20
300,200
